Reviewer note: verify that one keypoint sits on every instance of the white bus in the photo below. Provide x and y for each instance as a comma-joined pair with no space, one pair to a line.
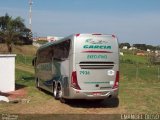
81,66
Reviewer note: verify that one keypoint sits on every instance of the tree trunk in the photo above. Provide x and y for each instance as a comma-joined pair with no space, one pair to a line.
9,48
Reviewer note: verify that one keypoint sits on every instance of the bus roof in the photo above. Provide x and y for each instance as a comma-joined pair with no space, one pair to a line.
52,43
63,39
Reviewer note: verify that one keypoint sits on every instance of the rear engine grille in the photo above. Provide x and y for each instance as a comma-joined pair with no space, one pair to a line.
96,65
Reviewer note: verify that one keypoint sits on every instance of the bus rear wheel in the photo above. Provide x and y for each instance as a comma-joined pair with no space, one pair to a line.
57,92
60,93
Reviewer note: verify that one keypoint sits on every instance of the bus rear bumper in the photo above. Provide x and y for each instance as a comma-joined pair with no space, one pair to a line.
93,94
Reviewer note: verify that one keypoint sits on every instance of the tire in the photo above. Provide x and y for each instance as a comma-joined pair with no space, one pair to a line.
114,102
63,100
59,91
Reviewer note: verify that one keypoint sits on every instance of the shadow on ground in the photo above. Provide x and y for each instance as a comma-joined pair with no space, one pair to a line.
24,82
19,86
107,103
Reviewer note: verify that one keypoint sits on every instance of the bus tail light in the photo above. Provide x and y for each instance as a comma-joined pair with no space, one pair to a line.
74,82
113,36
116,83
77,35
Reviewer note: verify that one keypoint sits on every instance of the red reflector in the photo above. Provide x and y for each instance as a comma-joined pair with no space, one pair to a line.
77,35
77,92
96,34
116,83
74,81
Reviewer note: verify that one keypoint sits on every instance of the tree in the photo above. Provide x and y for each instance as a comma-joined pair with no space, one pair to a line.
11,30
140,46
124,44
151,47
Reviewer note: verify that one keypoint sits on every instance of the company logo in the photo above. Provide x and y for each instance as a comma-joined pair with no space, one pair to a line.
96,41
111,72
97,47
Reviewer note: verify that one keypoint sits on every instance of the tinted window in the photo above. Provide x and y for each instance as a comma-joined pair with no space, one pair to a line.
57,52
61,51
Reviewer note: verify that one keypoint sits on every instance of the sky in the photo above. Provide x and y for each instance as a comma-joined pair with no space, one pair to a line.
133,21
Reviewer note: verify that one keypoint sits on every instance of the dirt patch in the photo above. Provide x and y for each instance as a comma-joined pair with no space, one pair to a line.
17,94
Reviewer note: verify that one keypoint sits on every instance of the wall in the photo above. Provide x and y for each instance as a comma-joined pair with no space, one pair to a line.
7,72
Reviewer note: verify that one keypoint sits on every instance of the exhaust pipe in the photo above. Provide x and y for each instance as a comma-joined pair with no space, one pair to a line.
109,96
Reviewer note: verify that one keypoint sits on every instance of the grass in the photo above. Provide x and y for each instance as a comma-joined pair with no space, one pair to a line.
27,50
24,78
24,54
41,41
139,94
143,72
144,100
26,68
22,59
134,59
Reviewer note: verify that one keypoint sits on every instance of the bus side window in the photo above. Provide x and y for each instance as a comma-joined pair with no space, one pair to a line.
61,51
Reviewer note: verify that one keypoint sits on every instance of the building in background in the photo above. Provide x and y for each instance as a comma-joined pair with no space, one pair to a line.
53,38
48,38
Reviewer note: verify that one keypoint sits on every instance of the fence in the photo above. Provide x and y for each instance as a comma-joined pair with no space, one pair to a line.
138,72
22,59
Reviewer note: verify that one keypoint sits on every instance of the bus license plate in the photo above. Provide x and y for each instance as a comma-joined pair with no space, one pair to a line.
97,93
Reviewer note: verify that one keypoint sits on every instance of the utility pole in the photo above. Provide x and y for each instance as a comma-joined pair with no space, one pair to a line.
30,14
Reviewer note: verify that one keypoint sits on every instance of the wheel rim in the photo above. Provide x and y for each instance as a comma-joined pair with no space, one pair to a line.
55,91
